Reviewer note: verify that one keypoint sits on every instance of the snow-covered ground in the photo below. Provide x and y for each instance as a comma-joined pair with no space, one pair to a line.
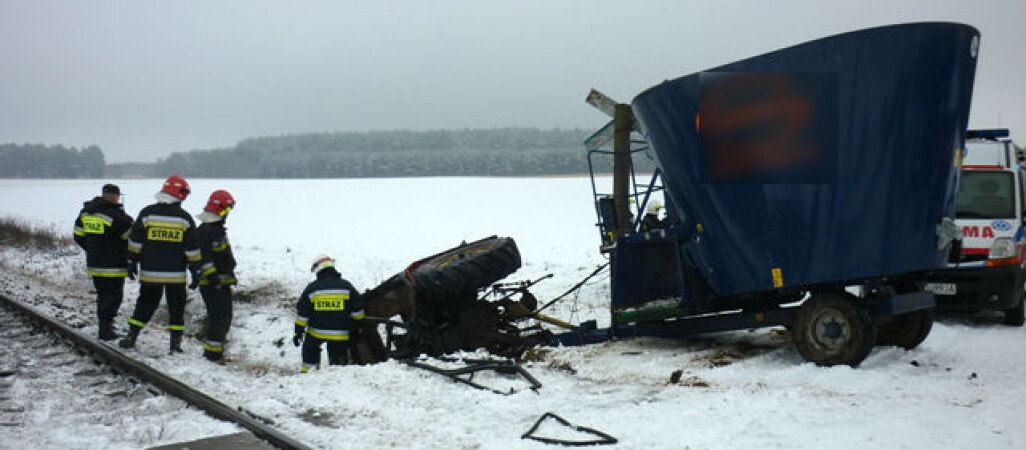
963,388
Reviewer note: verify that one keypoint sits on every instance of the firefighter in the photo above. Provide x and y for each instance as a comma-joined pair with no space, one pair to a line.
161,242
217,272
651,220
101,229
328,310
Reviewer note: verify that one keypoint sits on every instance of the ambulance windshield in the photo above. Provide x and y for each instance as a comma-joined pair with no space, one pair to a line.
985,195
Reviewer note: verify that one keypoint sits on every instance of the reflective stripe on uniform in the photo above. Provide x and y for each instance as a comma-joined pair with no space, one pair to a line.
107,272
124,236
301,321
193,255
329,335
207,269
136,323
107,220
211,346
176,327
79,231
220,246
147,276
304,368
359,315
329,299
223,280
165,221
134,246
328,292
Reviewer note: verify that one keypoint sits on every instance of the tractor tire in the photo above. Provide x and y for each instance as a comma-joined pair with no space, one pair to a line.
1016,316
906,330
833,328
462,271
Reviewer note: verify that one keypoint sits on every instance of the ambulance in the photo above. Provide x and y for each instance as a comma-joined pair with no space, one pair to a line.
990,270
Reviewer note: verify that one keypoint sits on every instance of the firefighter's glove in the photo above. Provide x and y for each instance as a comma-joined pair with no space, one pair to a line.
298,338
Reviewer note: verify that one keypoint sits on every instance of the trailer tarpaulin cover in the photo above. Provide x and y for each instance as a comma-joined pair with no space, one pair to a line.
832,160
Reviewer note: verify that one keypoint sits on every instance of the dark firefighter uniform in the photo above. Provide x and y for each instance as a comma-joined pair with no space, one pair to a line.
327,312
163,242
101,229
217,275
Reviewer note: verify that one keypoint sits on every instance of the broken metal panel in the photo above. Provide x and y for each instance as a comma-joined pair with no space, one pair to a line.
607,105
600,138
436,319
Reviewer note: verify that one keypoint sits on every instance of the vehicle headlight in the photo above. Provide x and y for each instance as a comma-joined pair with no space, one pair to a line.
1003,248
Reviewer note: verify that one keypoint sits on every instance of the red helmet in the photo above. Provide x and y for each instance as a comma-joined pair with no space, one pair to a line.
176,186
220,203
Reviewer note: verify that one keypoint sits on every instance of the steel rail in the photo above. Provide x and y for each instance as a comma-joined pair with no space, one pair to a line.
125,364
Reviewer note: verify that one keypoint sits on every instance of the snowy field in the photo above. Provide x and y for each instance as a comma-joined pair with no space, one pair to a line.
963,388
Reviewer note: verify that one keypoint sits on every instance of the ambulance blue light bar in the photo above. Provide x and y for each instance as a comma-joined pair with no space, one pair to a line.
992,133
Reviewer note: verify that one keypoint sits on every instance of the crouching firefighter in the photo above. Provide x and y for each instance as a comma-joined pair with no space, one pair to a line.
162,242
217,272
329,310
101,229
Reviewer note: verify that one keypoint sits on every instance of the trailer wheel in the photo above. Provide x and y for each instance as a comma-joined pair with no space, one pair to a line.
1016,316
466,269
834,328
906,330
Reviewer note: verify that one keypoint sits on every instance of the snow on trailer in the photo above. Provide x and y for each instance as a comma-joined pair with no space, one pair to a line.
797,174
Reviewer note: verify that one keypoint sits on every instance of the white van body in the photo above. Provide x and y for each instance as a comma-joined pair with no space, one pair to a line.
990,271
989,164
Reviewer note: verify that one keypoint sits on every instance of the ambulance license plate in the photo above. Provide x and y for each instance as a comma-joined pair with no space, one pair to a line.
941,288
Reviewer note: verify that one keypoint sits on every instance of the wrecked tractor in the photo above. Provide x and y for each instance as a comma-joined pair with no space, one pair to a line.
449,302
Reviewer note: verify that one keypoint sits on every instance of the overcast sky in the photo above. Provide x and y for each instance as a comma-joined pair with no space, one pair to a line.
142,79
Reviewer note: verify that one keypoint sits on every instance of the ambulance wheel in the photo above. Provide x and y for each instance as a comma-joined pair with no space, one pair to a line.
1017,315
833,328
905,330
467,268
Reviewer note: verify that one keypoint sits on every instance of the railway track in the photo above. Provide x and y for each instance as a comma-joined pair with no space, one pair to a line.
36,345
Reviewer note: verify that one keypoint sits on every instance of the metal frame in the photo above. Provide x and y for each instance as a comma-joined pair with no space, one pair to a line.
602,438
473,366
641,197
674,327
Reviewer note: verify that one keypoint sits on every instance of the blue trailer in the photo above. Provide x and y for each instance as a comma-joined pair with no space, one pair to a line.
811,187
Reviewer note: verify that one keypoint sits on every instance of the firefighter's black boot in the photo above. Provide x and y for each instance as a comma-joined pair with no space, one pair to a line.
129,340
107,330
217,357
176,342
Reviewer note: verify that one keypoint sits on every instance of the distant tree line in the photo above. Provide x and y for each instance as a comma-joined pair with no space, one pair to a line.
58,161
132,170
486,152
480,152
